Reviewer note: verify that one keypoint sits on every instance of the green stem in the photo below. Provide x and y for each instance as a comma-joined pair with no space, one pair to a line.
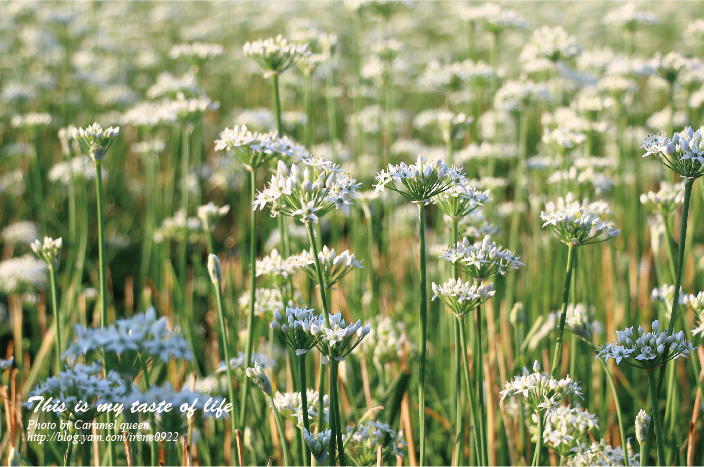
37,182
253,291
468,387
319,272
335,401
277,102
57,321
103,282
185,169
617,403
304,401
147,385
309,109
228,369
459,429
557,356
423,322
479,373
678,279
539,446
652,387
280,429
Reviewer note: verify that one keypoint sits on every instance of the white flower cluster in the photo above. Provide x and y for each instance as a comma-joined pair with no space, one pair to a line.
278,269
486,150
318,444
172,228
268,302
168,85
582,179
459,201
20,233
563,139
450,124
94,141
648,350
22,275
476,226
238,363
629,16
31,121
551,43
422,180
309,192
209,214
495,18
482,259
665,294
48,251
142,333
340,338
515,96
579,223
197,51
256,149
260,379
300,328
539,390
457,75
462,297
388,341
602,453
150,115
564,428
82,383
696,304
290,406
670,66
275,55
333,266
683,153
364,441
188,110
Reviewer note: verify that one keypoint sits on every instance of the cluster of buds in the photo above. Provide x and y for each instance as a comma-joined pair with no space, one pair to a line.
539,390
462,297
275,55
579,223
48,251
420,181
299,329
256,149
318,444
333,267
94,141
483,259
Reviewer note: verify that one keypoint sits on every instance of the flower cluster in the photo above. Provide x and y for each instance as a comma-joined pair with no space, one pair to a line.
387,340
564,429
300,328
629,16
141,334
267,302
539,390
197,51
31,122
48,251
683,153
515,96
601,453
290,406
260,379
275,55
309,192
82,383
670,66
172,228
318,444
696,304
364,441
422,180
94,141
209,214
256,149
459,201
23,274
462,297
482,259
455,76
648,350
20,233
277,268
333,266
664,295
451,125
666,200
578,223
338,339
551,43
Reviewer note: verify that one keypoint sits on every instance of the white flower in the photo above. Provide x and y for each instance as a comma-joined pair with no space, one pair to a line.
421,181
462,297
48,251
22,232
256,149
648,350
94,141
642,424
683,153
333,266
275,55
289,405
629,16
23,274
308,192
300,328
564,428
260,379
578,223
318,444
666,200
540,390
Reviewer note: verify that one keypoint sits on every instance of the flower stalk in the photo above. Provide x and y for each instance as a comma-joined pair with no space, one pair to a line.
557,355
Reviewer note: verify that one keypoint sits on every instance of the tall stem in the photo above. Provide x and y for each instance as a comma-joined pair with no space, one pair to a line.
459,429
678,279
185,169
103,281
277,102
336,409
652,387
309,109
557,356
622,428
304,401
57,321
253,291
468,387
280,429
228,369
423,333
539,446
479,374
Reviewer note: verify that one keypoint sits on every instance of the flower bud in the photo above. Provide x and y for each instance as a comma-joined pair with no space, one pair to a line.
642,422
214,269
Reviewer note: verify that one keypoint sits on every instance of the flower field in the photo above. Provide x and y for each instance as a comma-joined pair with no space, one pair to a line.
351,233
